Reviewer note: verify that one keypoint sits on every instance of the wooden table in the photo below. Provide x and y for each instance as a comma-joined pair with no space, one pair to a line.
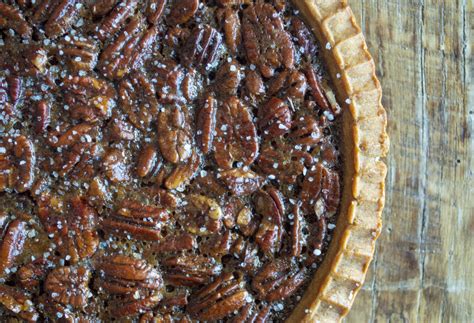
424,265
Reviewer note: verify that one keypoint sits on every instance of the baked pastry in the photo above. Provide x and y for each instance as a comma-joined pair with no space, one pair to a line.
186,160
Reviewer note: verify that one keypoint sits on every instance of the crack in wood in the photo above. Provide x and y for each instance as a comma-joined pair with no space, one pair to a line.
424,158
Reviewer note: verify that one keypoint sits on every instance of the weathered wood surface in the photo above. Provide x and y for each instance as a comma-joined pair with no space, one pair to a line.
423,270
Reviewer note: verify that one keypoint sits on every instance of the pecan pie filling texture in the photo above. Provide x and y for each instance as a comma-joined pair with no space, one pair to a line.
162,160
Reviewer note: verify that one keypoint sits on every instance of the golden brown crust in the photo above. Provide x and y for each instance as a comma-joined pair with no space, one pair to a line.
331,293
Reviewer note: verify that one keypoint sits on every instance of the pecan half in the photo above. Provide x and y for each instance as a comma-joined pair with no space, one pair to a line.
154,10
190,270
135,220
116,18
270,206
328,152
320,191
183,173
219,299
331,97
138,100
11,89
121,130
236,139
316,89
72,223
278,280
254,83
31,275
306,131
29,60
78,153
311,189
80,54
204,215
33,60
228,78
182,11
13,241
18,303
162,197
315,240
41,116
101,8
149,162
176,84
137,303
11,18
128,51
304,37
62,17
115,167
331,191
247,221
89,99
175,138
98,193
267,44
17,164
73,135
274,118
169,78
176,299
218,245
203,48
289,83
206,124
232,29
69,286
241,182
120,274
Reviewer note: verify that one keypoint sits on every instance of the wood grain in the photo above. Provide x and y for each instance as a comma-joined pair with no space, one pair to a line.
423,270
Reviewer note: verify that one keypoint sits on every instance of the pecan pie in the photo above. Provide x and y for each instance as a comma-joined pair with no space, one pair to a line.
186,160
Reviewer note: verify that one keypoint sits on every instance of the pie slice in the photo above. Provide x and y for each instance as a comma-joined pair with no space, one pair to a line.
186,160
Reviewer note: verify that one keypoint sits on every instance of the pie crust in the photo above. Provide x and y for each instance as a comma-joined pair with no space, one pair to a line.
332,291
